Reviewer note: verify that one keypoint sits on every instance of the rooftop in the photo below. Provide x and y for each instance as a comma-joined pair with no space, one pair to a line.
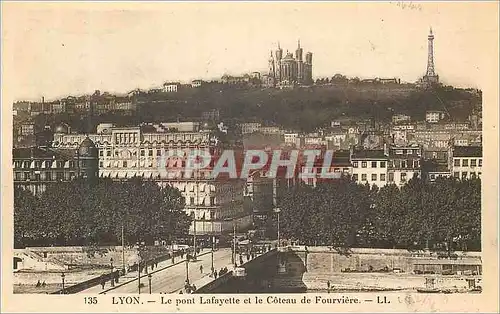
467,151
370,154
42,153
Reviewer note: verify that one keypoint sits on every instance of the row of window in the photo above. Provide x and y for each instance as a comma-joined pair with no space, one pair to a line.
212,201
465,175
381,177
364,164
143,153
47,164
457,162
44,176
392,164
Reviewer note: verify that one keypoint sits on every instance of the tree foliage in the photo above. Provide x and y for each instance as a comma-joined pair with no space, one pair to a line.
93,213
444,215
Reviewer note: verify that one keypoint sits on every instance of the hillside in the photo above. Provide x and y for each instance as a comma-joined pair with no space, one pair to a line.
302,109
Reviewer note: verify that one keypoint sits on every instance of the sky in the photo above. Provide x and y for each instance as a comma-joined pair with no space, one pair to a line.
58,49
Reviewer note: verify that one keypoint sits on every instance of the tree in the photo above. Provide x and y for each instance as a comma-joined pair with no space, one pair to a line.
26,225
87,213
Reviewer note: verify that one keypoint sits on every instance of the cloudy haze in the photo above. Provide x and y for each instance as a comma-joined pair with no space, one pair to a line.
59,49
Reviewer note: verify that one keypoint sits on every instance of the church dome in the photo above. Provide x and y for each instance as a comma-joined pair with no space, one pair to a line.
288,57
87,148
61,128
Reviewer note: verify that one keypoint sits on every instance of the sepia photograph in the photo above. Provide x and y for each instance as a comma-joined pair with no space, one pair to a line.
277,153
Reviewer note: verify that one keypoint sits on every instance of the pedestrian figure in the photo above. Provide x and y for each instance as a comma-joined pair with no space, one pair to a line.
241,260
43,283
156,264
103,283
193,288
38,284
328,286
201,269
173,260
215,274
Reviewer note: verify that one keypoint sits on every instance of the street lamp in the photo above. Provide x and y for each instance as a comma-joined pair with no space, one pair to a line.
233,256
139,259
62,277
187,270
149,279
277,211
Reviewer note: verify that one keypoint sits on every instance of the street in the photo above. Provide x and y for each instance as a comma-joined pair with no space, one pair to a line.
173,278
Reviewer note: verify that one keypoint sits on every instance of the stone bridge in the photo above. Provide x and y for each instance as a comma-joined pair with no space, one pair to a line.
258,273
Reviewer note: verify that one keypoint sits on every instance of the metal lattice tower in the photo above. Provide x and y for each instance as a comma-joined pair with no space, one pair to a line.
430,56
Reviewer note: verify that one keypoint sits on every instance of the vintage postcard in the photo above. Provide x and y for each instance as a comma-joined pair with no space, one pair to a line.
250,157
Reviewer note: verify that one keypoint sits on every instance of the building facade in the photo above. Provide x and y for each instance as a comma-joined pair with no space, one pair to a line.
466,162
160,156
36,168
370,167
405,163
434,116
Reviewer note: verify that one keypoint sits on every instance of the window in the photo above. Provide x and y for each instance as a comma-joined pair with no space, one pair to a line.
18,175
473,175
382,177
101,153
382,164
403,176
374,164
355,177
391,176
433,176
374,177
473,162
355,164
363,164
101,164
456,162
465,162
150,152
363,177
480,164
158,152
416,163
191,201
408,152
48,176
456,174
142,153
108,153
399,152
403,164
26,164
124,164
60,176
212,200
479,174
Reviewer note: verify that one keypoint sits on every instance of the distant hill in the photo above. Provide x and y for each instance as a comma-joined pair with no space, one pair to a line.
304,108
